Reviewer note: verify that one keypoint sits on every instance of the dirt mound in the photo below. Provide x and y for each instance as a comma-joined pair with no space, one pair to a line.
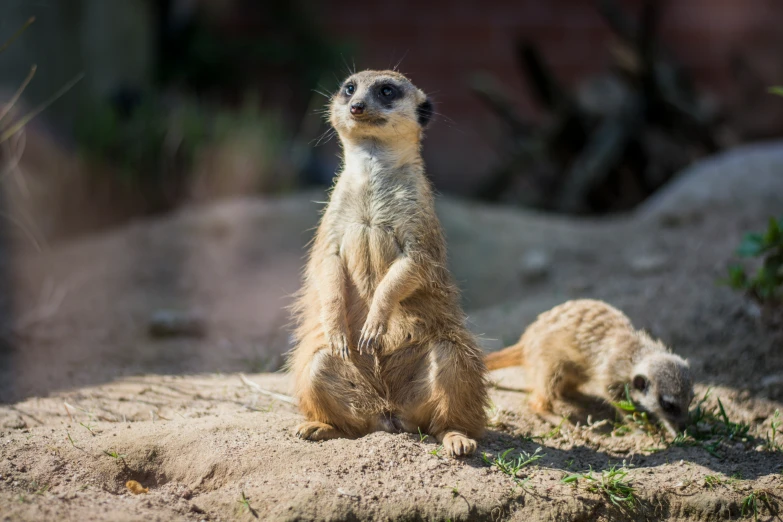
211,447
202,444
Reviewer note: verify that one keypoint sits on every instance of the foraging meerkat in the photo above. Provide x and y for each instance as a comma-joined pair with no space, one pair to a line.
591,346
381,341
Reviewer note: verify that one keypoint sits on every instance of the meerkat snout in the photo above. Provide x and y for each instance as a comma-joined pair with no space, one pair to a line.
663,385
357,108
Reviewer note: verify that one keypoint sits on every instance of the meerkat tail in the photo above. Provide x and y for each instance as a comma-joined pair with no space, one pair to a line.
511,356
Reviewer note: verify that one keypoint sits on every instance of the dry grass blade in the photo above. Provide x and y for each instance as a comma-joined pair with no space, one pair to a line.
16,127
278,396
17,34
26,230
8,106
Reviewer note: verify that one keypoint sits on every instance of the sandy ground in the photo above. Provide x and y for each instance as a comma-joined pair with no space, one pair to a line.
200,443
92,401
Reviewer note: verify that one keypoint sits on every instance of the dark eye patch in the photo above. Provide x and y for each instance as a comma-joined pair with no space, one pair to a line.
387,93
349,89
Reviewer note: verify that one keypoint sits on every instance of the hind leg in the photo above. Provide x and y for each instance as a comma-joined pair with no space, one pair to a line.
336,398
549,383
448,397
561,380
540,403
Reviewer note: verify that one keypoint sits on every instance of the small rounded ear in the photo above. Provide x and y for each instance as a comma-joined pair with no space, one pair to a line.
424,112
640,382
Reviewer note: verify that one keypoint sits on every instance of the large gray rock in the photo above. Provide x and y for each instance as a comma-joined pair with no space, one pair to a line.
748,175
84,307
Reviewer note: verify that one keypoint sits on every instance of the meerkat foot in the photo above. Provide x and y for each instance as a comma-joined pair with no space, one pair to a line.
317,431
540,404
458,444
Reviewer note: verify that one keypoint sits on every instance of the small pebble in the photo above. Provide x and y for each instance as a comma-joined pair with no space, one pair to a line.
648,263
771,380
535,266
136,488
175,323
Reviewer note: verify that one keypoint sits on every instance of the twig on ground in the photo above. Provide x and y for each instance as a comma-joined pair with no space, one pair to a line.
22,412
256,387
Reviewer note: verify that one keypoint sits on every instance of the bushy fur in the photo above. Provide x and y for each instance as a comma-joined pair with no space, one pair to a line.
381,341
592,347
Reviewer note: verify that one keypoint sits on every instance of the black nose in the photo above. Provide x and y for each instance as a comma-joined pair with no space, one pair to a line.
357,108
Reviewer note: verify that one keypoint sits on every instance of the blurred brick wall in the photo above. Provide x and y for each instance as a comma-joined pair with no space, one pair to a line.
444,41
441,43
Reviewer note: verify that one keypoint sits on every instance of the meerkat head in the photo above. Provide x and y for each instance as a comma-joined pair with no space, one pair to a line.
663,386
379,105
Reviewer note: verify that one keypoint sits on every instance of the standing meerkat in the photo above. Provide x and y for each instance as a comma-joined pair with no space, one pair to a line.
592,347
381,343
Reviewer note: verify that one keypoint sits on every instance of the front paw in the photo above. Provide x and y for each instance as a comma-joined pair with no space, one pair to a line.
338,342
372,333
458,444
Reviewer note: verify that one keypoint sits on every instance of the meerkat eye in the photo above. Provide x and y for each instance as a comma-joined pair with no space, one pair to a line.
387,90
349,89
640,383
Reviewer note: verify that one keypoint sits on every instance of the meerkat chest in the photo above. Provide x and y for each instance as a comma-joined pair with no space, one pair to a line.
374,220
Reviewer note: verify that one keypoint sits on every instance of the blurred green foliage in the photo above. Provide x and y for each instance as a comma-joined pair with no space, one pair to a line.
133,143
155,140
766,285
203,57
154,148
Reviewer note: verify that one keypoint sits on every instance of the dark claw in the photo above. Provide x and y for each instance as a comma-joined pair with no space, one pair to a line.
340,347
370,340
